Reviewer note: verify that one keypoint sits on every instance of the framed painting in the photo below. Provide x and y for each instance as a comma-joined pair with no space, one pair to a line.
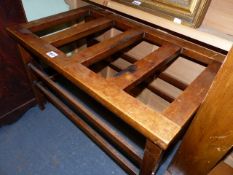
187,12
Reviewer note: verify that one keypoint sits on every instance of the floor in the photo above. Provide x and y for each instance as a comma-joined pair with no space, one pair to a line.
48,143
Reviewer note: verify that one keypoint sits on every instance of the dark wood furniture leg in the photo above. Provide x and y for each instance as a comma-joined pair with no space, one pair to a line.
151,158
210,135
27,58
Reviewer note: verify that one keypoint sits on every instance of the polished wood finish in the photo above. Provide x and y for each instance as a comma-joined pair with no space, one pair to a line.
54,20
108,47
126,165
125,106
210,135
159,129
77,32
157,91
16,96
114,136
180,111
163,75
143,68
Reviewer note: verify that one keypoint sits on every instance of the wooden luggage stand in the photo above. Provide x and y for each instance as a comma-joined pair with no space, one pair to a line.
46,65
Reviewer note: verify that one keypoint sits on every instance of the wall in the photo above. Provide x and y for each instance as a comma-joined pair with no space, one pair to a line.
35,9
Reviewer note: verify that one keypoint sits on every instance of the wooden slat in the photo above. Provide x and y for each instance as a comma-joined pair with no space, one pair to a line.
106,93
198,52
181,110
159,129
128,58
163,75
173,81
102,92
146,66
130,110
210,136
98,139
161,93
195,51
115,67
38,46
57,19
123,55
108,47
155,90
78,31
112,135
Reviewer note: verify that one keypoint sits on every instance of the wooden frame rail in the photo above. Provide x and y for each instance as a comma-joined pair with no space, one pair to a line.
158,128
214,141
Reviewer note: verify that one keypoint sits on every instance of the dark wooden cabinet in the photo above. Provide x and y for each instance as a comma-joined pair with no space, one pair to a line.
15,92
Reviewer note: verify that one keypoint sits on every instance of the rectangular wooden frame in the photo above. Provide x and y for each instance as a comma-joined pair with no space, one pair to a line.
111,92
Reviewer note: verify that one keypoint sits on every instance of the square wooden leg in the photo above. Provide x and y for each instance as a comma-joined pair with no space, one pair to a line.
151,158
26,57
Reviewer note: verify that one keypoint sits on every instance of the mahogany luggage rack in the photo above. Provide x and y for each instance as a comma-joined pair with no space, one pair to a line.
48,66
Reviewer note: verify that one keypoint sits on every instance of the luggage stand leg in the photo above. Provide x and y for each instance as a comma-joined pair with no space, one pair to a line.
151,158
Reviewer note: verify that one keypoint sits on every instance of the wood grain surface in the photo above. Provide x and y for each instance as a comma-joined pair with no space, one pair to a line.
210,135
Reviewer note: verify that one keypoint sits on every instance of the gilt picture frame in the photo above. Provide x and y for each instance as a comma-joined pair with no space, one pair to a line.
187,12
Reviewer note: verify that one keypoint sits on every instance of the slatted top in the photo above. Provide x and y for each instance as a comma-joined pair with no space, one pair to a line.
161,128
